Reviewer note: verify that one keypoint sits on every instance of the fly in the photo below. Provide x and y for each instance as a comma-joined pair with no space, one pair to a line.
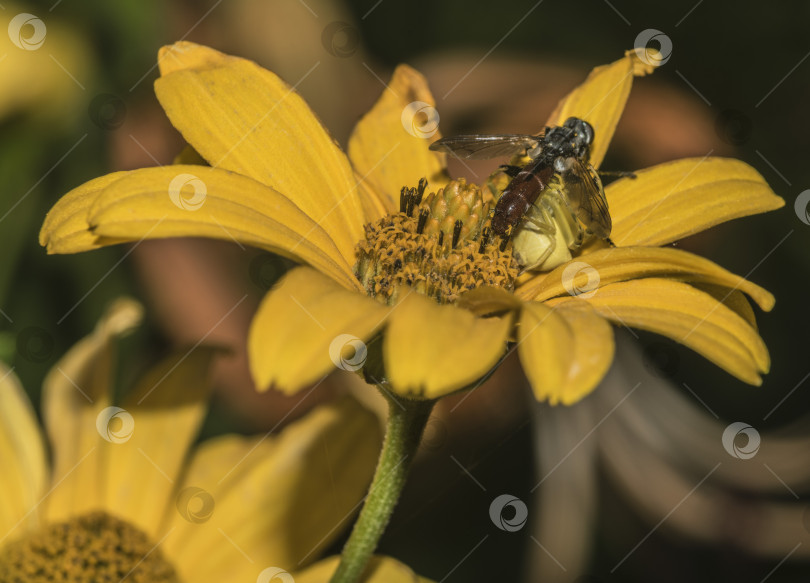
557,194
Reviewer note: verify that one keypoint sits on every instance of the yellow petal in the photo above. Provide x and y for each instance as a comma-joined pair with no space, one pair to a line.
486,300
304,329
166,409
184,55
732,299
25,468
75,394
243,118
624,263
389,145
189,155
198,201
545,346
688,316
565,351
600,100
35,86
273,500
677,199
431,350
374,207
380,569
65,229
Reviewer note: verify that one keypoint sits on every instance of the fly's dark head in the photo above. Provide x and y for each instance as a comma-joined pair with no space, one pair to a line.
582,136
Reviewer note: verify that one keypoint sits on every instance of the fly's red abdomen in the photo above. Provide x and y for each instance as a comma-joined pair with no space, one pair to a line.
520,195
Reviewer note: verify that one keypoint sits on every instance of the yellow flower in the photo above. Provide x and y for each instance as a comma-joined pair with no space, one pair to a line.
278,181
130,497
32,81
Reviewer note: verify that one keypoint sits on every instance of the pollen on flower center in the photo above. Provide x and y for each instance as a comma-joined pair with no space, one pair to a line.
92,547
439,245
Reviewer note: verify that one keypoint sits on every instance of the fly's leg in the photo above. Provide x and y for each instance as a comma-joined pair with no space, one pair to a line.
538,220
615,174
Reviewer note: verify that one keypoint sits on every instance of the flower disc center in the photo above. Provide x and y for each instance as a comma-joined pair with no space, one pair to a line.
439,245
88,548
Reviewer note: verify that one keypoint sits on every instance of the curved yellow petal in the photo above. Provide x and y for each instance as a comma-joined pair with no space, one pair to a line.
625,263
65,229
189,155
545,346
565,351
601,98
243,118
389,145
374,207
381,569
305,327
198,201
75,394
734,300
25,467
273,500
487,300
166,410
431,350
670,201
688,316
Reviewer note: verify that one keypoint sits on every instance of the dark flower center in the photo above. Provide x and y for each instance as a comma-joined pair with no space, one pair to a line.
94,547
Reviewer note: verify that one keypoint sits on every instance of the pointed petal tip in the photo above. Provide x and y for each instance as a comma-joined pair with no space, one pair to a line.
645,60
389,146
44,238
766,301
122,316
187,55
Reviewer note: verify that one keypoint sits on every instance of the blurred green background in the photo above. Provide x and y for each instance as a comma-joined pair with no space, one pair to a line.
737,83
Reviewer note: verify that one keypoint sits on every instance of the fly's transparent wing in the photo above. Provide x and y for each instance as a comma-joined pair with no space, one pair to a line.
587,196
481,147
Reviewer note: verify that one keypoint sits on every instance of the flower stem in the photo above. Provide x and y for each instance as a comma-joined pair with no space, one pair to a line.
406,423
